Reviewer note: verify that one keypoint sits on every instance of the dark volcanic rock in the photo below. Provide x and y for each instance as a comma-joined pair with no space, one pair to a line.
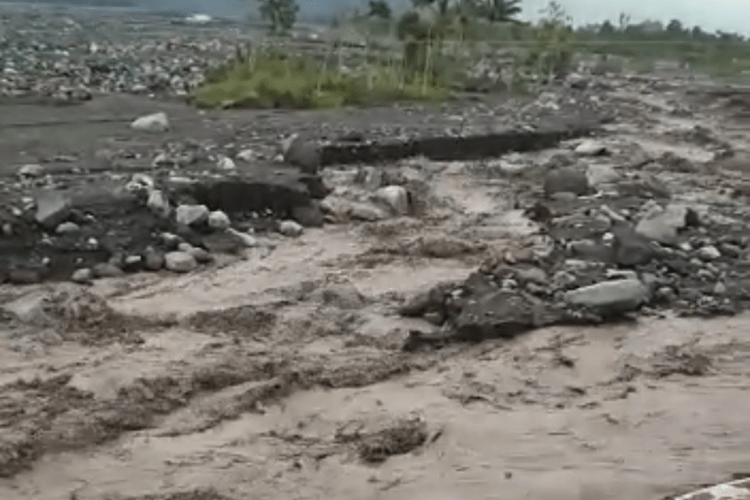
280,190
224,242
499,314
631,249
566,180
305,154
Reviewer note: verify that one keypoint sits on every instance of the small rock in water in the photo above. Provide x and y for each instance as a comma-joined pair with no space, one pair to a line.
246,155
153,259
591,148
246,240
31,171
191,215
566,180
599,175
394,197
290,228
180,262
709,252
82,276
218,220
201,255
226,163
610,297
107,270
156,122
365,212
52,209
67,228
158,203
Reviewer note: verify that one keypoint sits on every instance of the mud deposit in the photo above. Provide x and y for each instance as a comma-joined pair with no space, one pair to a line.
285,371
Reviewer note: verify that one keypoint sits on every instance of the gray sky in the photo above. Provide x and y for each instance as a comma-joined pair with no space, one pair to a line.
727,15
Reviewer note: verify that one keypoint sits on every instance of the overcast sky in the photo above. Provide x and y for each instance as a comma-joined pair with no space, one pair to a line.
726,15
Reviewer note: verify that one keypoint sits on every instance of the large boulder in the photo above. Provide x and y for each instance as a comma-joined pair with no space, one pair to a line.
566,180
610,297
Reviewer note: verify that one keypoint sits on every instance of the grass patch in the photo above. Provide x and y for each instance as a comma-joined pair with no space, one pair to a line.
278,80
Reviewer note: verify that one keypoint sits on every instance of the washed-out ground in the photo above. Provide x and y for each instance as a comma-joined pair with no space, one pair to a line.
282,374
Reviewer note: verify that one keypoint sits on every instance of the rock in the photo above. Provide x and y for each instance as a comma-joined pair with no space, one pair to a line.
600,175
302,153
133,263
709,252
107,270
657,229
229,242
218,220
499,314
591,148
180,262
246,155
365,212
201,255
246,240
67,228
309,215
153,259
566,180
52,209
83,276
156,122
170,241
226,163
158,203
720,288
31,171
290,228
343,296
371,178
191,215
631,249
610,297
446,247
396,198
531,275
140,183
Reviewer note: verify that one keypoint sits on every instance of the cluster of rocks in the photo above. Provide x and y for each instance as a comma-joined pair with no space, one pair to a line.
601,253
142,227
72,58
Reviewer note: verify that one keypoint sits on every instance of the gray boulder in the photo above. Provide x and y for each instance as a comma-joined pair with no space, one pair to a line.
610,297
180,262
566,180
52,209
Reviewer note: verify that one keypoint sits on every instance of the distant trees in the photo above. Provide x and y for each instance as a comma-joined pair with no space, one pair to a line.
379,9
282,14
501,11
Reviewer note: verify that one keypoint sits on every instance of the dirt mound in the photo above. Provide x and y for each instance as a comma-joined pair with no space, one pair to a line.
243,321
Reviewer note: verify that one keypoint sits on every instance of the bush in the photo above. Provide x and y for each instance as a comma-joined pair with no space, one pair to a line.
274,79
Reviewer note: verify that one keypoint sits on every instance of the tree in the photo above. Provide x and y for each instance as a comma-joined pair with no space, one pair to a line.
282,14
675,28
379,8
501,11
607,29
624,21
442,5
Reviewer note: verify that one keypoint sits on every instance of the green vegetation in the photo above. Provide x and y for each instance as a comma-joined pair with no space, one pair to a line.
270,78
440,46
282,14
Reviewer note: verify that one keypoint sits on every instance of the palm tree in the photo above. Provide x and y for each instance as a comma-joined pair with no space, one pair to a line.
501,11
